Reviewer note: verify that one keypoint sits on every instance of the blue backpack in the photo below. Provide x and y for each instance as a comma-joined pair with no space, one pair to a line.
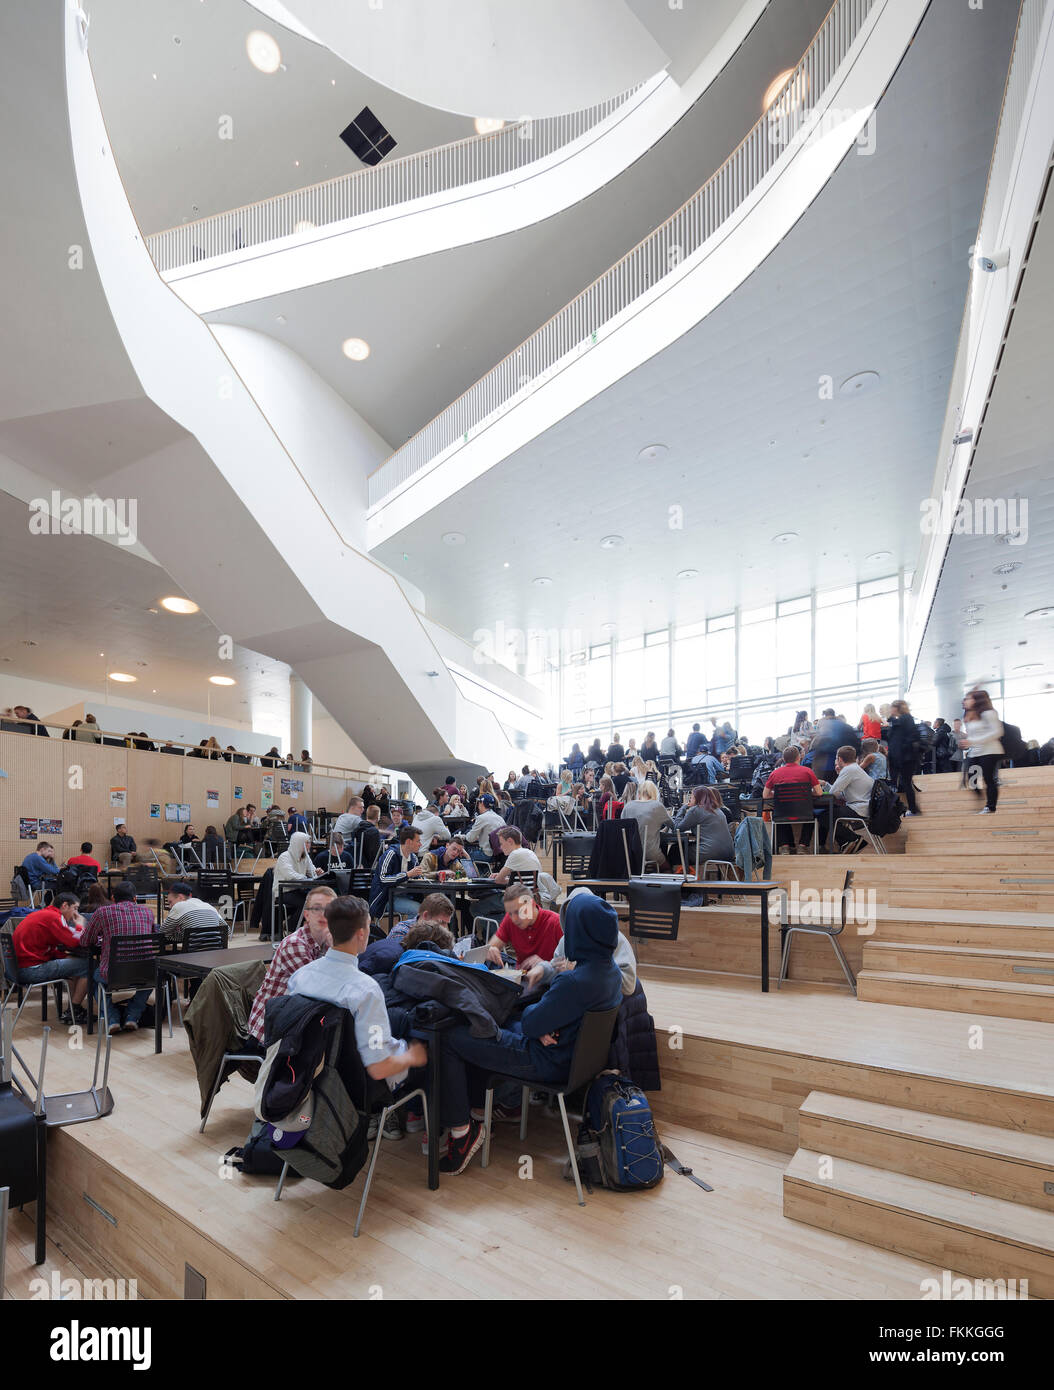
617,1147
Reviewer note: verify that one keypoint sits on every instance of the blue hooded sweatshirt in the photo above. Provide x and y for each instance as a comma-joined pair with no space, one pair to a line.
590,938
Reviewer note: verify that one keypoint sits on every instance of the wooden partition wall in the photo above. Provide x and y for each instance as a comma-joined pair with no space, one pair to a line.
50,779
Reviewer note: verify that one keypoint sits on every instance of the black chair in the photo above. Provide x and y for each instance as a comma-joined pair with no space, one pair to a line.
588,1060
741,769
575,853
132,966
829,929
20,988
654,909
525,876
792,806
214,885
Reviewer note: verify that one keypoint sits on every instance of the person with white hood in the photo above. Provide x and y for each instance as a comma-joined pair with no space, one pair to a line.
294,863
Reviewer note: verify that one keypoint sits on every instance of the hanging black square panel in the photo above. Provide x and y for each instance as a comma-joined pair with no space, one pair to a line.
367,138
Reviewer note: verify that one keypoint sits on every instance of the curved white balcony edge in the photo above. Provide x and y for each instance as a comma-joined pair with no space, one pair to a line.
471,210
681,292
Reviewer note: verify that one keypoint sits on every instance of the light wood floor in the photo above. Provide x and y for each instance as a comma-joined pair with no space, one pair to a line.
485,1235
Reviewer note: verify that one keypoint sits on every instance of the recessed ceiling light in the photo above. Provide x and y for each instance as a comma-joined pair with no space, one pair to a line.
607,627
972,622
453,538
785,537
971,608
1036,613
687,574
877,555
122,676
612,542
1029,666
358,349
221,680
1008,568
179,605
140,663
860,384
652,452
487,125
263,51
505,566
541,581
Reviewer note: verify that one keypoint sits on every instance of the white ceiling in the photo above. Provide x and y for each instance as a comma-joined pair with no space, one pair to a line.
86,606
1014,459
166,131
872,279
437,324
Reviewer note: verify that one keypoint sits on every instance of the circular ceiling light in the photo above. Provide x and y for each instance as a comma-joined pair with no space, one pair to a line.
972,622
651,453
1008,568
453,538
179,605
358,349
608,627
263,51
1035,614
860,384
775,87
879,555
122,676
222,680
687,574
541,581
612,542
785,537
971,608
487,125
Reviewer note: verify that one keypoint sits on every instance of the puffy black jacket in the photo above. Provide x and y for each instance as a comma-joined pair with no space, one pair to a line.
483,999
634,1051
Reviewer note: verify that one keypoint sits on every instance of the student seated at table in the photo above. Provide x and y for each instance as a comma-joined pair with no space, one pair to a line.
545,971
294,864
95,896
518,859
124,917
39,867
42,942
296,820
397,863
540,1044
703,815
336,979
335,857
300,947
85,857
435,910
455,858
121,843
185,910
213,847
852,786
791,774
532,931
487,821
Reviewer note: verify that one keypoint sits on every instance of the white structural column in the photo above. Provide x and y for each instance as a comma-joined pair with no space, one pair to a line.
300,701
950,697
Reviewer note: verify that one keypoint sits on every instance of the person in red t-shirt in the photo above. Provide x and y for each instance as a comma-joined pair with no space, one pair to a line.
43,940
791,774
85,857
532,931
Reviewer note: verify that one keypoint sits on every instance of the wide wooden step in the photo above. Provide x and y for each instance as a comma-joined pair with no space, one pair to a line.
1003,1163
967,1232
1025,931
964,962
995,998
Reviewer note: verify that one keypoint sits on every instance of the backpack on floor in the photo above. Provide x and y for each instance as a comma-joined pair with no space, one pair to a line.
883,811
258,1154
617,1147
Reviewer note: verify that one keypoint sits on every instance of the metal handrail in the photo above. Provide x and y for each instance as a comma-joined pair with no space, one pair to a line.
575,327
396,181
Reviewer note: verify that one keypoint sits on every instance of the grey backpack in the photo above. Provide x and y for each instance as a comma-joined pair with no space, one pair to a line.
334,1145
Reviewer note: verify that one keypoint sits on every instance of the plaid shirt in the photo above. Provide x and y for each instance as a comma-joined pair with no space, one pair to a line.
116,919
296,950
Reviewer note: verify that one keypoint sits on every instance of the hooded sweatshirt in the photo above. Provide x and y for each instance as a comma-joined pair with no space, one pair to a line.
294,862
590,937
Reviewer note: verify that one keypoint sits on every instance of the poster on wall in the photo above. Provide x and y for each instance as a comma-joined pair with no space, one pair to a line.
27,828
267,794
118,796
237,793
292,786
171,811
49,827
155,810
212,800
184,810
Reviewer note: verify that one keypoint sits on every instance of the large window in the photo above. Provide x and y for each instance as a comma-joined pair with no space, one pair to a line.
840,647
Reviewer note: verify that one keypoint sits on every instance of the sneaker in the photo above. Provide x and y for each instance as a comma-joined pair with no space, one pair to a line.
371,1132
415,1122
392,1129
986,812
460,1150
499,1114
131,1028
114,1028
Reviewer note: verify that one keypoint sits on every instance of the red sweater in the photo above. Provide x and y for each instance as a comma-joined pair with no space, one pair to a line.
541,939
43,936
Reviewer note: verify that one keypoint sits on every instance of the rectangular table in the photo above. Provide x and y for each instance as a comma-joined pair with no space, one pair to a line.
464,889
720,886
196,965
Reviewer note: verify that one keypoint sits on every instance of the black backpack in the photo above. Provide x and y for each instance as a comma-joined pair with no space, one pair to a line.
257,1154
883,811
1014,746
